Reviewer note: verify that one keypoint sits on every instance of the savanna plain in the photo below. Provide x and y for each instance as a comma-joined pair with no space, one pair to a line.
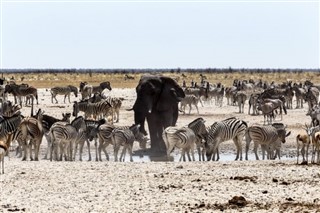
159,186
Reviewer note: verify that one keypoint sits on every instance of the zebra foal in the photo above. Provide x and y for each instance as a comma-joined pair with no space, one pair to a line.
66,91
231,128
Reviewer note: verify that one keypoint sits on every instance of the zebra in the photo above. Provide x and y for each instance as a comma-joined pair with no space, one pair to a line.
190,100
47,122
64,136
312,97
116,105
125,137
31,135
299,93
240,97
231,128
271,136
104,135
267,109
66,91
9,126
185,138
101,87
253,101
21,90
102,108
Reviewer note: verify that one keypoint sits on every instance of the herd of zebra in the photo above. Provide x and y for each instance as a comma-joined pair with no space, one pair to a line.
65,137
261,96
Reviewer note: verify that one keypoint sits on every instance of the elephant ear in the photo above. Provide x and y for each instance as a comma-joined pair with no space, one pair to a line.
170,95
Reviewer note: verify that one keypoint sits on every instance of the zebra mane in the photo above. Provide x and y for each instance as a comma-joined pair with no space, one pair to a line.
78,123
196,121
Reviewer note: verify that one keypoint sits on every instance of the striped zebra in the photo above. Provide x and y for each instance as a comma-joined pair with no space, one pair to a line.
240,97
21,91
116,105
102,109
47,122
269,137
231,128
31,135
185,138
125,137
9,126
85,90
66,91
299,92
64,136
190,100
104,135
101,87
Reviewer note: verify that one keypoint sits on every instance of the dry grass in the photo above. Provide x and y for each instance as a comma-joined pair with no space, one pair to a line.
48,80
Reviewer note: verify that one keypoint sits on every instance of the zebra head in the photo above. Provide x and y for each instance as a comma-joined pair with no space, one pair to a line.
74,90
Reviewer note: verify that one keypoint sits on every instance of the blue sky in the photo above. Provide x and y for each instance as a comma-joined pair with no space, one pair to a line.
160,34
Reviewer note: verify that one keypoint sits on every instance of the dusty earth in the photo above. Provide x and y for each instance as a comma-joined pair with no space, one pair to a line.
153,186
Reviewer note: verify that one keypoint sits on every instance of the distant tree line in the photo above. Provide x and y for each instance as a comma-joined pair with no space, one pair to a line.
175,70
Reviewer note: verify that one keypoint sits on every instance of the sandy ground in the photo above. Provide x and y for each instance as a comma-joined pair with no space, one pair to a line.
148,186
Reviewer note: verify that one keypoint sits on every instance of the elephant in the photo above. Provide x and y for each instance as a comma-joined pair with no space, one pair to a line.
157,101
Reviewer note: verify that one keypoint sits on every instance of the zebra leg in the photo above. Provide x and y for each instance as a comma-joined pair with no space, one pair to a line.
190,108
89,152
106,153
55,97
307,152
188,155
302,153
123,153
248,140
130,152
116,150
37,149
80,150
255,149
25,148
117,112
